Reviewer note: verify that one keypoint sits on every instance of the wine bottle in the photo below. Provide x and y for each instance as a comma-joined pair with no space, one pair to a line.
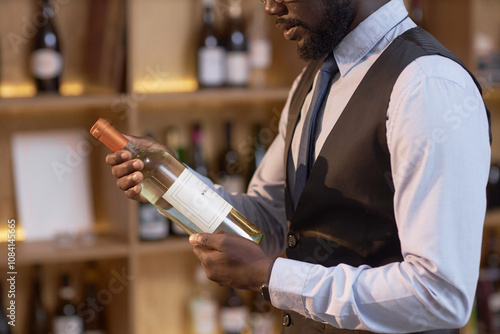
258,151
177,192
211,53
46,59
38,323
259,46
197,158
66,319
233,313
230,170
152,224
237,63
493,187
203,306
95,323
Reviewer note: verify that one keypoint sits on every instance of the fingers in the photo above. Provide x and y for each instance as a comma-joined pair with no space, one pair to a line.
203,240
118,157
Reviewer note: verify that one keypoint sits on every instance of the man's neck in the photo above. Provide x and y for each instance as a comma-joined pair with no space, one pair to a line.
365,8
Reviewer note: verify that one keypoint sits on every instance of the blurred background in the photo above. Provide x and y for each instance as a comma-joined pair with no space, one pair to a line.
206,77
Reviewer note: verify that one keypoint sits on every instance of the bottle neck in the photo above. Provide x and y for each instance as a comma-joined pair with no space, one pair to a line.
132,149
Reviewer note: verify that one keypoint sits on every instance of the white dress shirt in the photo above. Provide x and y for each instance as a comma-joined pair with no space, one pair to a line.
437,134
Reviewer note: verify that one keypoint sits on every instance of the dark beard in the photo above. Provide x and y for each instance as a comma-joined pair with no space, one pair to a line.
328,34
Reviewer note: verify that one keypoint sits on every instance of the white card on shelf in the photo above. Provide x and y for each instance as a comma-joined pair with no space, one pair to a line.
52,183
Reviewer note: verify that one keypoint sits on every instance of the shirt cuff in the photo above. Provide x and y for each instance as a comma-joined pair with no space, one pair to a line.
287,282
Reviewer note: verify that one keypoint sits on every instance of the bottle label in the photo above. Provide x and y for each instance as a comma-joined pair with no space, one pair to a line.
233,319
211,66
68,325
197,201
46,64
260,53
237,68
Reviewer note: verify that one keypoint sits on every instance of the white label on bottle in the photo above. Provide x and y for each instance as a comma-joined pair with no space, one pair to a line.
197,201
260,53
233,319
46,64
237,68
68,325
211,66
204,315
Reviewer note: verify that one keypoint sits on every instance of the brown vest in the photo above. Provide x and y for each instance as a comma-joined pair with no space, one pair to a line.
345,213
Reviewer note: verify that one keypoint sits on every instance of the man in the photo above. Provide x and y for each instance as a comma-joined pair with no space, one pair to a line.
382,216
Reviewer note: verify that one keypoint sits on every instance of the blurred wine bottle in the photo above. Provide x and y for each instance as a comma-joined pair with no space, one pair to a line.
230,174
46,59
258,150
233,313
66,319
237,62
203,306
262,319
260,51
95,322
152,224
493,187
197,158
211,53
39,322
416,11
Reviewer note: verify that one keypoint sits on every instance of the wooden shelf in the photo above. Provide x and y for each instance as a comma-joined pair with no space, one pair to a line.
56,103
44,252
172,244
217,96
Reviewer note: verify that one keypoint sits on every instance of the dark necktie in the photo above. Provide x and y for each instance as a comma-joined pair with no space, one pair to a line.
305,157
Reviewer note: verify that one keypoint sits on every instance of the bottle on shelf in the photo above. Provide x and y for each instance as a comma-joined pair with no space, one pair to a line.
261,318
94,318
237,61
46,59
258,151
38,318
197,158
230,169
493,187
211,52
203,307
260,51
152,224
177,192
416,12
233,313
66,319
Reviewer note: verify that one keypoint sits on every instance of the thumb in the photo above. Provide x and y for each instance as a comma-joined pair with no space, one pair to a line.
204,240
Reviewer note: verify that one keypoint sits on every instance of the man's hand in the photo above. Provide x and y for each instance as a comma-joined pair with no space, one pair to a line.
127,171
231,260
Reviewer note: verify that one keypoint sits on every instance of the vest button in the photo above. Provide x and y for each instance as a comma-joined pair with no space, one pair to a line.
292,241
286,320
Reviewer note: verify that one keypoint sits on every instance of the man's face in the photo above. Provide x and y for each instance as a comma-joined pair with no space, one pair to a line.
317,25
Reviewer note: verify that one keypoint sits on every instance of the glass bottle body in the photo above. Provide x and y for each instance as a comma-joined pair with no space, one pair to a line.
199,209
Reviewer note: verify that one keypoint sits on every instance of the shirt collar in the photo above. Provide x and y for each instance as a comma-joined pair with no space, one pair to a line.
358,43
